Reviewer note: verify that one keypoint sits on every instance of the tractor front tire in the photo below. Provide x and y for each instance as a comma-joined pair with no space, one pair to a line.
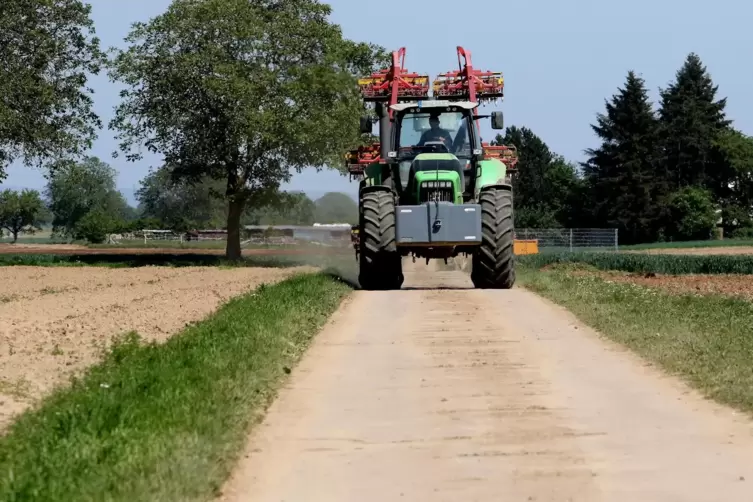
493,265
380,264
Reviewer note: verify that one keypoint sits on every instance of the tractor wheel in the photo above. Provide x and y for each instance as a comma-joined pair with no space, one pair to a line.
380,264
494,261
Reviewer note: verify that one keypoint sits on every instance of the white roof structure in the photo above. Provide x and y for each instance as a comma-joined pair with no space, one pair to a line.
438,103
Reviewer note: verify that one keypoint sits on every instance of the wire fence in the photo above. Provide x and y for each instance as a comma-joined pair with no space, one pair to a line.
571,239
549,239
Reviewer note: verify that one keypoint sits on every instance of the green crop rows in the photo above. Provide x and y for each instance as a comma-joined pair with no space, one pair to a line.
645,263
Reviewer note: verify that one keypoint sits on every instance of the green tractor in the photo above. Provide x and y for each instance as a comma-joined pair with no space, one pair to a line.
430,188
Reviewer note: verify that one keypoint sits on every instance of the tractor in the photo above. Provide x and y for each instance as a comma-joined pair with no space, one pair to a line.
430,187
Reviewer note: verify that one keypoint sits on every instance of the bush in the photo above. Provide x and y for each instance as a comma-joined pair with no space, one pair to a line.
742,233
692,215
95,226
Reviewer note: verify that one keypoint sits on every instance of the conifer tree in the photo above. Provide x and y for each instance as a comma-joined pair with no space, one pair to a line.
625,188
691,120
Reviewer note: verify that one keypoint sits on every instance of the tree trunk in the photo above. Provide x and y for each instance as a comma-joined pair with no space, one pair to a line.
235,209
15,236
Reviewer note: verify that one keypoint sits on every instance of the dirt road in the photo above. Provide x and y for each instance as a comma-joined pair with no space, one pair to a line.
464,395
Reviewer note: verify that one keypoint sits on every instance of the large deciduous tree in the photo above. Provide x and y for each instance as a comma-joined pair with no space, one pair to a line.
336,207
82,194
287,208
20,211
180,204
545,183
241,91
625,184
47,47
736,154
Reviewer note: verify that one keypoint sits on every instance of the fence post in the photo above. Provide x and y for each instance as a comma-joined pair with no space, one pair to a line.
615,240
571,240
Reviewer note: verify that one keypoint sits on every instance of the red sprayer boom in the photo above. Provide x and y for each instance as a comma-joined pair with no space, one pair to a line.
469,83
396,83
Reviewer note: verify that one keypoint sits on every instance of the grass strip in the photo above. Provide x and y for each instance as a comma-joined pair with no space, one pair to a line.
706,339
166,422
645,263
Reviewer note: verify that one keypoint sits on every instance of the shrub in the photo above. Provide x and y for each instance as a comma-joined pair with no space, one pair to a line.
692,214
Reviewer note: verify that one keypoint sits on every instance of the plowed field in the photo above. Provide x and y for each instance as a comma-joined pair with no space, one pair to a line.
57,320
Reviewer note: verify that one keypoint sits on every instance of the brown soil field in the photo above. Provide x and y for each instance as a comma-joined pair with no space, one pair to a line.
55,321
740,286
74,249
732,250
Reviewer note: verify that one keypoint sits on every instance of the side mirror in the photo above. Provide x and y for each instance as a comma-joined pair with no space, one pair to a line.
498,121
366,125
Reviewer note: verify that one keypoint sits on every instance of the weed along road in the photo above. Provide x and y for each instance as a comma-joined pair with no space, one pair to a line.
453,393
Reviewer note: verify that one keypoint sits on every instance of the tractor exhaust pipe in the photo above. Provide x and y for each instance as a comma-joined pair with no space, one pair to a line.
385,129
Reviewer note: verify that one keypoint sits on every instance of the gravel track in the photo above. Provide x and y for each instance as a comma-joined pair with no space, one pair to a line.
441,392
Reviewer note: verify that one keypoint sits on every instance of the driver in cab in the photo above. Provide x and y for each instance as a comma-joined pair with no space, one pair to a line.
436,133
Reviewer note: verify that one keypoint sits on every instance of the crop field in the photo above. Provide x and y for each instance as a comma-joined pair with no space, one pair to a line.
742,249
59,320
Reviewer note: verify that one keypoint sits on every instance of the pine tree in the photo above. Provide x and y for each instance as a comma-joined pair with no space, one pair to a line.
691,120
624,185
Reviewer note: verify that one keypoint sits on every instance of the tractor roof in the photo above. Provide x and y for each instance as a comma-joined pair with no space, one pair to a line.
439,103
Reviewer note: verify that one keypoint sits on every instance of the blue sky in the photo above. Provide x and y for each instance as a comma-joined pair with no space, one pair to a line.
560,59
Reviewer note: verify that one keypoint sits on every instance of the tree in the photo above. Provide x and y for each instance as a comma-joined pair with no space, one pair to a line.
75,189
47,48
335,207
242,91
179,204
544,184
20,212
625,186
735,153
692,213
290,208
691,121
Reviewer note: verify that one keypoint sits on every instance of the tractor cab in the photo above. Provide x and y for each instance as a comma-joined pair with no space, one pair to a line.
434,144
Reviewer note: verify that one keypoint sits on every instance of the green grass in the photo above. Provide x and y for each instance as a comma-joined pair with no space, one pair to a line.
167,422
704,339
644,263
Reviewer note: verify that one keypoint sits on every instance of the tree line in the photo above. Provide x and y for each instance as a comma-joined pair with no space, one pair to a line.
232,107
677,172
81,202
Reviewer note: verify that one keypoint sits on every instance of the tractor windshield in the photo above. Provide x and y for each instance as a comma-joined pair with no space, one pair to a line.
421,132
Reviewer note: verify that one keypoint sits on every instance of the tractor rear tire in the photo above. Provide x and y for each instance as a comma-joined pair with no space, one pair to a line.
493,265
380,263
